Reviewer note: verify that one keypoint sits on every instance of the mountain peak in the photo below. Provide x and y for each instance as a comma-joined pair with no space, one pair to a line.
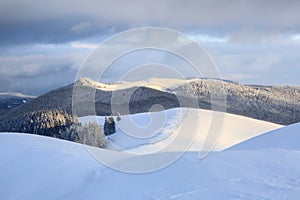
90,83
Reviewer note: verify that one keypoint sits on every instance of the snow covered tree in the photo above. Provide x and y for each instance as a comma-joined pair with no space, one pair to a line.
91,134
55,123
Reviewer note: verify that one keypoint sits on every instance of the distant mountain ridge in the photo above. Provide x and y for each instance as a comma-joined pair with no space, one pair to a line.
16,94
10,100
277,104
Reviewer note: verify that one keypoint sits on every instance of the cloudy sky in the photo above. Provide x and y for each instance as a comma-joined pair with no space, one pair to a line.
43,43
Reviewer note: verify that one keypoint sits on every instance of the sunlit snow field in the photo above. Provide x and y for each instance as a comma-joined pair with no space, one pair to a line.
264,167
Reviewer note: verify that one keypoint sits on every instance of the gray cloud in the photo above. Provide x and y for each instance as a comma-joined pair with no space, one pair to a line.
36,74
258,46
81,27
61,21
266,63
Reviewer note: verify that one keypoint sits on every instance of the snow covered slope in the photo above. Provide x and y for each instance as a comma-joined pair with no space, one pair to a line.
235,129
265,167
35,167
287,138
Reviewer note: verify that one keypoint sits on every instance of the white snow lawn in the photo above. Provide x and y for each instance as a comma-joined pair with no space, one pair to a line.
242,165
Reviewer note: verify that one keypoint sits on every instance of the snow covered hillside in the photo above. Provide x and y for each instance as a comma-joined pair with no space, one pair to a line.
286,139
36,167
235,129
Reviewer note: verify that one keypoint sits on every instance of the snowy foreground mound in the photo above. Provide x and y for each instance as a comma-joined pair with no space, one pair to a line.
286,139
265,167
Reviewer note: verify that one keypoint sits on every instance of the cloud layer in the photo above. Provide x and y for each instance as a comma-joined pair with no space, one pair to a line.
62,21
42,42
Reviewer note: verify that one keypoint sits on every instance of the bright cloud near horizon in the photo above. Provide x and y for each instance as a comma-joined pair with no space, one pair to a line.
42,45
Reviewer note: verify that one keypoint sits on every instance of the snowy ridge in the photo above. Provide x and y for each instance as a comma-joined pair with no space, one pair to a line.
236,129
153,83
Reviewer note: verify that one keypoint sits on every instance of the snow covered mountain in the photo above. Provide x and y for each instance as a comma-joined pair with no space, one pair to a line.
277,104
36,167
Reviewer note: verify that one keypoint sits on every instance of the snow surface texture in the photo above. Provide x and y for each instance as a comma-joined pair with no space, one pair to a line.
36,167
277,139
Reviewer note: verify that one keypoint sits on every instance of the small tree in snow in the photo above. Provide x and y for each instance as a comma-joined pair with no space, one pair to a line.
91,134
